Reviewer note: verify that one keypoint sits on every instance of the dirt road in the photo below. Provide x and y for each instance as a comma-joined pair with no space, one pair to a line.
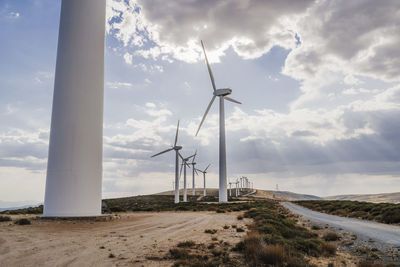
136,239
383,233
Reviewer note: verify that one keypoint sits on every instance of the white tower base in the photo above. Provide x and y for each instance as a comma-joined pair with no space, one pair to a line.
74,170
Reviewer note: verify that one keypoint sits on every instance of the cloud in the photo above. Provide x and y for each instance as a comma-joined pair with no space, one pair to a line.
116,85
358,37
128,58
173,29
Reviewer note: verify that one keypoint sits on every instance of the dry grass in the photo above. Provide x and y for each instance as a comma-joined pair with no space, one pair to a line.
328,249
257,253
331,236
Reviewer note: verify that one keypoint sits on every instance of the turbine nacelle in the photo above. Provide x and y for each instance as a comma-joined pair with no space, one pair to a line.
222,92
177,147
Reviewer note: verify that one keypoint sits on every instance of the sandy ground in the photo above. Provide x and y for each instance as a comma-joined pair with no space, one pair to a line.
133,239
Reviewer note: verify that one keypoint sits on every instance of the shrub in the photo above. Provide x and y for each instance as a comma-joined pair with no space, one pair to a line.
5,218
252,246
273,254
210,231
331,236
111,255
328,249
239,246
220,211
316,227
226,226
216,252
186,244
368,264
22,221
179,253
239,230
117,209
240,217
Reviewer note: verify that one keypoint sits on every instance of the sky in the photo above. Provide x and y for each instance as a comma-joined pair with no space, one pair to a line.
319,82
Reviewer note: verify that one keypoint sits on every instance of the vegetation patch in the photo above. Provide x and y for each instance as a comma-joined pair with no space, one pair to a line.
275,238
381,212
186,244
5,218
22,221
30,210
210,231
331,236
215,254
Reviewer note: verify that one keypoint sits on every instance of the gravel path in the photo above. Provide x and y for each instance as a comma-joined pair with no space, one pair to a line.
382,233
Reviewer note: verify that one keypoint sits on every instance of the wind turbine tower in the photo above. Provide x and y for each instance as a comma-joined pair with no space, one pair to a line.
177,155
74,167
223,95
184,164
204,179
193,163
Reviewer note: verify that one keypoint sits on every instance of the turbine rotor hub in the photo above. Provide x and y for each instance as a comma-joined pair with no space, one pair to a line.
223,92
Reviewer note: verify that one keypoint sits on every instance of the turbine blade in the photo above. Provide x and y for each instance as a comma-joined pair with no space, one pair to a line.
162,152
180,172
209,68
195,170
176,135
181,156
207,167
232,100
205,114
190,156
195,153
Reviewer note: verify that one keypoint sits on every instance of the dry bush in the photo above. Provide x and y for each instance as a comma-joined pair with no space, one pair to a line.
328,249
5,218
369,264
273,254
22,221
252,246
331,236
179,253
186,244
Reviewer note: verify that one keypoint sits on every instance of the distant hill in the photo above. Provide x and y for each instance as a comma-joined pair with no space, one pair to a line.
374,198
285,195
7,205
199,191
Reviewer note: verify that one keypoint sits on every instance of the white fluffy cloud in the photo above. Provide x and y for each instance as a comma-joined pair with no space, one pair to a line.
174,28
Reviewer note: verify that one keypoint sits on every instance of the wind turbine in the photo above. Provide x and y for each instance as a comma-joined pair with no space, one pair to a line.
177,155
193,163
230,189
184,164
204,179
223,95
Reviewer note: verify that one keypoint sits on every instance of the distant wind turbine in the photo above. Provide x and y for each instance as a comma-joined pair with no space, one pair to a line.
223,95
193,163
177,155
184,164
204,179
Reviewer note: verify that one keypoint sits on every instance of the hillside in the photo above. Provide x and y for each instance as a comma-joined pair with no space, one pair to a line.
270,194
374,198
284,195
